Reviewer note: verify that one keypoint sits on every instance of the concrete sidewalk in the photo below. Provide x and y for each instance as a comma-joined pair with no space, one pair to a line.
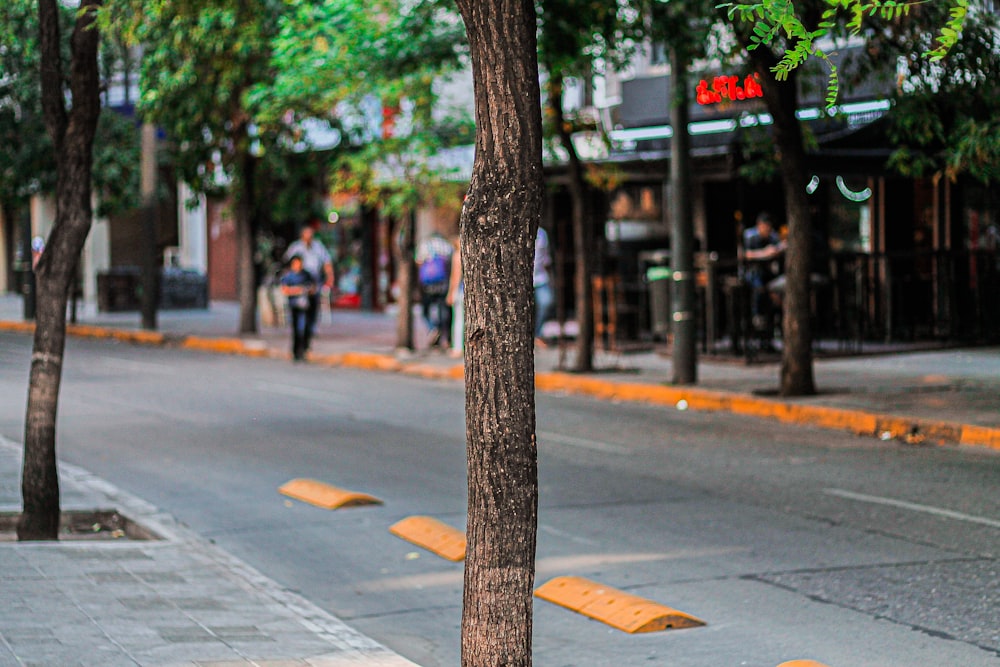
943,396
176,601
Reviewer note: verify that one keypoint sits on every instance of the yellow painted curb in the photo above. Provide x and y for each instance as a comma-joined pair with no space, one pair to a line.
802,663
323,495
371,361
981,436
433,535
911,430
429,372
18,327
92,331
223,345
321,359
616,608
125,335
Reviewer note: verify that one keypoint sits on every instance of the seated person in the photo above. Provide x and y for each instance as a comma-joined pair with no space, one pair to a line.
762,248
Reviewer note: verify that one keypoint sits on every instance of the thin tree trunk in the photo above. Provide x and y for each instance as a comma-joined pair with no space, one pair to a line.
73,136
582,236
247,276
9,212
150,227
499,222
406,278
685,324
782,100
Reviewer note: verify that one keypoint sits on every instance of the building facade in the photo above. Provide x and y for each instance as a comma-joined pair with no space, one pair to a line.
900,258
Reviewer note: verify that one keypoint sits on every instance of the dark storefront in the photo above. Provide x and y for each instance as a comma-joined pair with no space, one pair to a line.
900,259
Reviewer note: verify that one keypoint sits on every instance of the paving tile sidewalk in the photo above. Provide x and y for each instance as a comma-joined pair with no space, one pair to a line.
945,395
178,601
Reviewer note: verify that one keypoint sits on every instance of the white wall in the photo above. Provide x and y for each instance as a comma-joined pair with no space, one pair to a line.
96,254
43,215
96,257
192,230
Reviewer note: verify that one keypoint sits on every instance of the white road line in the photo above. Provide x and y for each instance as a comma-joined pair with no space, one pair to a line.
927,509
582,442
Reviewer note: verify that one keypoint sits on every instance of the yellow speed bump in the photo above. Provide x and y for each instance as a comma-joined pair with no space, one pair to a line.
618,609
433,535
323,495
802,663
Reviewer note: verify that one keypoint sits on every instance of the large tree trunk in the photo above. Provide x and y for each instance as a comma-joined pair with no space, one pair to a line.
73,136
781,99
582,236
245,239
499,221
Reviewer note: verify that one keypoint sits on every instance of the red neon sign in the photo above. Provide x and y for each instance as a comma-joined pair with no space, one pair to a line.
728,88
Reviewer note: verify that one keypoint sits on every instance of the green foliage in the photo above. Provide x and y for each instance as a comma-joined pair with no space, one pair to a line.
342,59
340,51
196,70
775,20
976,150
949,34
759,162
575,35
26,161
317,57
944,119
576,38
116,164
27,164
225,78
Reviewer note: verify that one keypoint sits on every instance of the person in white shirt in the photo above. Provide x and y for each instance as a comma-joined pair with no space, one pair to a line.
318,263
544,296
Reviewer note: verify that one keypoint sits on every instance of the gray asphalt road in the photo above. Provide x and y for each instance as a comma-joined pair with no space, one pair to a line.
789,542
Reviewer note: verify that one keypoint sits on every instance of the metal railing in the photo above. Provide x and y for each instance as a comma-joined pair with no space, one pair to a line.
945,295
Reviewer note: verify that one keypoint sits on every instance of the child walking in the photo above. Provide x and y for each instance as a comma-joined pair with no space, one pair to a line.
298,285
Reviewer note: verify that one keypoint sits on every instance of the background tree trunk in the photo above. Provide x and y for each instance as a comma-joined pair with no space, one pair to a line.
582,232
150,227
781,99
73,136
245,238
407,279
685,323
499,221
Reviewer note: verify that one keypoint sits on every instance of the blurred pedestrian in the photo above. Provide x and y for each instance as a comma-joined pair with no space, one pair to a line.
762,250
316,261
37,248
456,299
433,260
299,286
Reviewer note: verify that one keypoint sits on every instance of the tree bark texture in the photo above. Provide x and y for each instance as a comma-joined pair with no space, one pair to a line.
582,232
781,98
73,136
498,226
